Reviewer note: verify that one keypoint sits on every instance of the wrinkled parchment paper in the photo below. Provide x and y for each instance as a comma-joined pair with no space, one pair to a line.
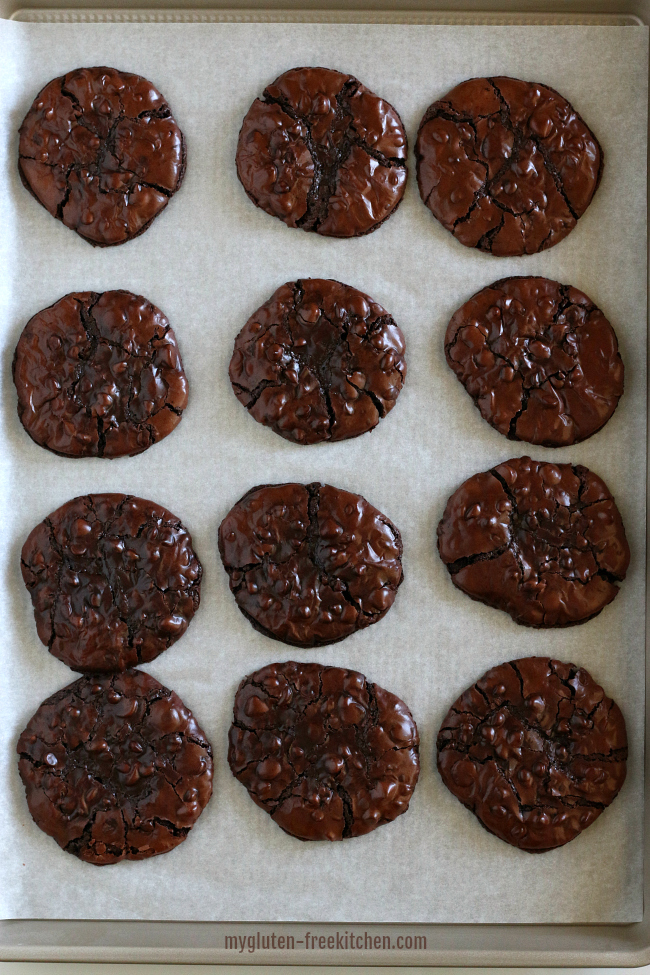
209,261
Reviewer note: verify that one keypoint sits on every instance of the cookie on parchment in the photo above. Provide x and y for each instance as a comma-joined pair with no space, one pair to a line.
309,564
544,542
536,750
100,150
323,153
325,752
99,375
318,361
115,768
114,581
507,166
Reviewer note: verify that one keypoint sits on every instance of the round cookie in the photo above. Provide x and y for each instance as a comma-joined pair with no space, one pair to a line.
318,361
99,149
323,153
309,564
99,375
114,581
326,753
538,358
115,768
536,750
544,542
505,165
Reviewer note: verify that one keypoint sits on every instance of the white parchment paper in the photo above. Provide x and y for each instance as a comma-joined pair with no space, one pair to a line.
209,261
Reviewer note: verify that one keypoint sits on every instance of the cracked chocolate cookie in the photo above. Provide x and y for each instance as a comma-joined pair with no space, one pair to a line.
318,361
544,542
99,375
310,564
538,358
536,750
323,153
114,581
326,753
115,768
505,165
99,149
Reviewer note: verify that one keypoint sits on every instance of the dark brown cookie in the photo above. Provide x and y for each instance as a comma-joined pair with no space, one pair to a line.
99,375
114,581
99,149
323,153
544,542
115,768
536,750
318,361
505,165
326,753
538,358
310,564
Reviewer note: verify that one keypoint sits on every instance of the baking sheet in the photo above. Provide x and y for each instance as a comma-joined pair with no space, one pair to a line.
209,261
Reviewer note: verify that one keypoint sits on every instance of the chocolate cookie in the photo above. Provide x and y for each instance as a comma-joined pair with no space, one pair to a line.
538,358
323,153
318,361
99,149
544,542
308,563
536,750
507,166
326,753
115,768
113,579
99,375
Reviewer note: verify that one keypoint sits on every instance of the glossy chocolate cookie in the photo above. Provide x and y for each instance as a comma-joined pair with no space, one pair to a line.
115,768
544,542
326,753
318,361
99,149
310,564
323,153
99,375
114,581
505,165
536,750
538,358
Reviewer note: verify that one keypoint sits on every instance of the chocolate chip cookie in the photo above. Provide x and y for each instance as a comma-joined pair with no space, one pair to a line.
99,375
115,768
318,361
325,752
100,150
309,564
538,358
536,750
323,153
505,165
544,542
114,581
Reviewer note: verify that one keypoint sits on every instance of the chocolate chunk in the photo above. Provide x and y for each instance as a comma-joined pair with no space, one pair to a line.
99,149
115,768
113,579
536,750
323,153
318,361
505,165
538,358
326,753
99,375
310,564
544,542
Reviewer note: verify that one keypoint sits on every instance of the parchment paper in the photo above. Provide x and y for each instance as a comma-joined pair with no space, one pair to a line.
209,261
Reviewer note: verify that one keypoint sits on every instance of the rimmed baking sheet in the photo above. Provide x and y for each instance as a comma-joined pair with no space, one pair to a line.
421,275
